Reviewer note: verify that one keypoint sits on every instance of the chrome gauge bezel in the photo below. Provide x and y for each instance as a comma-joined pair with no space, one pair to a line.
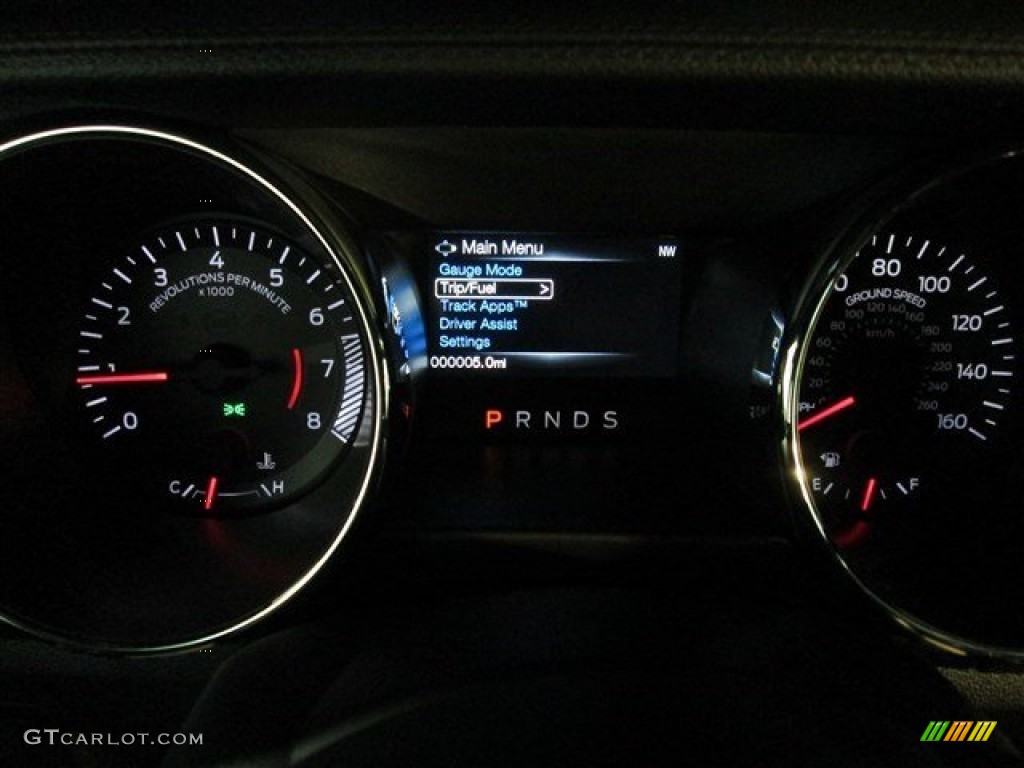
809,306
321,221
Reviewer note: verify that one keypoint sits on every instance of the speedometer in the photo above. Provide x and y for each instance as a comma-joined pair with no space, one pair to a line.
908,374
901,406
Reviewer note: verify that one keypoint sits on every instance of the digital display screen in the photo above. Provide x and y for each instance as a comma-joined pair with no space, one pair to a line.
552,305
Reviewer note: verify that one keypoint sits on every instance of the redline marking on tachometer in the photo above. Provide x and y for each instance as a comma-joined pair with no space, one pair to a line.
825,413
869,495
123,378
297,381
211,493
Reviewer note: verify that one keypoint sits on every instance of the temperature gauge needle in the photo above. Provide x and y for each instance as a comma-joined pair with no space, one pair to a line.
824,413
869,495
211,493
150,377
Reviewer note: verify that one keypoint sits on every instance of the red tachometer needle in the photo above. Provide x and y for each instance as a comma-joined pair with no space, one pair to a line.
825,413
869,495
211,493
152,377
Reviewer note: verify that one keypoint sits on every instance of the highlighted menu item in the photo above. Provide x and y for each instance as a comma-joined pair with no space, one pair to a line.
553,305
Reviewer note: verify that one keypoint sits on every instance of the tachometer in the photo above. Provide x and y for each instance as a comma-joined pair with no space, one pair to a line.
221,366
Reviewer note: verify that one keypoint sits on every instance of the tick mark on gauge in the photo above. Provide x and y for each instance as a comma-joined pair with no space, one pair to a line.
336,304
956,263
990,404
123,276
924,248
284,255
252,241
977,434
992,311
101,303
313,277
111,432
97,401
216,236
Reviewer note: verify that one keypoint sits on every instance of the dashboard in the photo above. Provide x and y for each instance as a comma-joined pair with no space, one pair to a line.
554,386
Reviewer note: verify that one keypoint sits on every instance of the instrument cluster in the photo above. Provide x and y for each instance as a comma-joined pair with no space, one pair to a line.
214,365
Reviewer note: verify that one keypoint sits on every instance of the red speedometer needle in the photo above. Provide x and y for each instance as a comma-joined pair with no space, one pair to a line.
869,495
211,493
152,377
825,413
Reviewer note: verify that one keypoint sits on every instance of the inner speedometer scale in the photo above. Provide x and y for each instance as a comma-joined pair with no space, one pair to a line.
222,366
905,380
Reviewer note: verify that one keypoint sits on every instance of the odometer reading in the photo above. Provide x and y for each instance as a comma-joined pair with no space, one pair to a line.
906,376
222,365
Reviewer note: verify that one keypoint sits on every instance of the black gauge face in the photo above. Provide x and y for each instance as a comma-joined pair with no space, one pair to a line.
221,368
906,381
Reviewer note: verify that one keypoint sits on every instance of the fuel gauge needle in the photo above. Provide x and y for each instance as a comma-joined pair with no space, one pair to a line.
824,413
869,494
147,377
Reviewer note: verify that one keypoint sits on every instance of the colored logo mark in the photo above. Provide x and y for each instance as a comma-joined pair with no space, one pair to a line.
958,730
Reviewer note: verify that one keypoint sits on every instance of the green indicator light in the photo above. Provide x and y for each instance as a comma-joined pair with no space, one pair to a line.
234,409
